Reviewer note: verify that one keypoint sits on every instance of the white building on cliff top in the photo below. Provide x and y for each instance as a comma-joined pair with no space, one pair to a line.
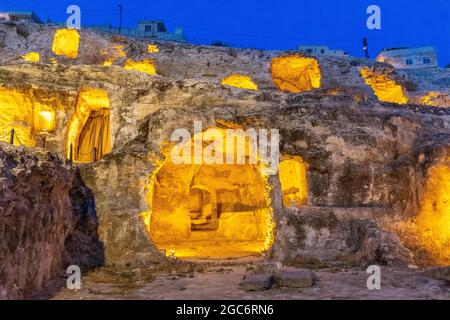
321,51
409,58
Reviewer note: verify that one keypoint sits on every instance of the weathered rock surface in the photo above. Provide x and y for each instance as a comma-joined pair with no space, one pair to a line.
47,221
375,246
312,236
181,61
366,160
334,284
438,273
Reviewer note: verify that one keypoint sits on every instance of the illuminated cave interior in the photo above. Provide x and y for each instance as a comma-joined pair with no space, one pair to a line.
66,43
433,220
213,211
292,172
112,54
89,129
152,48
295,73
27,113
432,98
385,89
240,81
32,57
146,66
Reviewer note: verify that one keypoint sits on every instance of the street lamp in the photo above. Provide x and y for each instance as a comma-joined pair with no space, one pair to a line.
120,22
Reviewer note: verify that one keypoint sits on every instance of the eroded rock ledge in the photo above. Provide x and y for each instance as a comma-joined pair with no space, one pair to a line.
47,221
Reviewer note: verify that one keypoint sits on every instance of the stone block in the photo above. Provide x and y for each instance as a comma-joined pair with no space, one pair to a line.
297,279
257,282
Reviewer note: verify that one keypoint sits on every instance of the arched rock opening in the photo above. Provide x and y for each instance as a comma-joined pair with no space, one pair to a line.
210,210
89,136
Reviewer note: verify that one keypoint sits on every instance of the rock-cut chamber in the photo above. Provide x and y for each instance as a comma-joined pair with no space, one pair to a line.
66,43
433,221
295,73
89,136
29,112
385,89
240,81
210,210
293,180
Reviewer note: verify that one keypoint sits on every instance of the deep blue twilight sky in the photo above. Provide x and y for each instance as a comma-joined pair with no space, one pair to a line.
282,24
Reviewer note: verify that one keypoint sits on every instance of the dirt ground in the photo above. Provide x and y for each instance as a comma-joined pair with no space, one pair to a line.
220,280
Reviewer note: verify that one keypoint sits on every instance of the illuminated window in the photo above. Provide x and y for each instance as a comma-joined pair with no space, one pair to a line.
295,73
152,48
44,120
147,66
66,42
292,171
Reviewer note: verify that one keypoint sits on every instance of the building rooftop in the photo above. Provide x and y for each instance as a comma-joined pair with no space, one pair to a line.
160,23
25,13
406,50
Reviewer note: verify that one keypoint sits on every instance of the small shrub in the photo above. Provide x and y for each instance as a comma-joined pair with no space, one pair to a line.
22,30
219,43
410,86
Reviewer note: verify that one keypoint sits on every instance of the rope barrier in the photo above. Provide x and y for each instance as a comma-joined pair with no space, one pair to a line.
20,142
6,135
67,149
93,152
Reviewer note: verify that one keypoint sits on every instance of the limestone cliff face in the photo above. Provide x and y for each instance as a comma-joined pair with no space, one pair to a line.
360,152
47,221
182,61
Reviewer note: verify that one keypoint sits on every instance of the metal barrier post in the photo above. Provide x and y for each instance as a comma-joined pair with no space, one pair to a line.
11,137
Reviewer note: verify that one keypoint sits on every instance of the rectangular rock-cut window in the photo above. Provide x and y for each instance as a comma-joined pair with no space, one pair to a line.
292,171
44,120
66,42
